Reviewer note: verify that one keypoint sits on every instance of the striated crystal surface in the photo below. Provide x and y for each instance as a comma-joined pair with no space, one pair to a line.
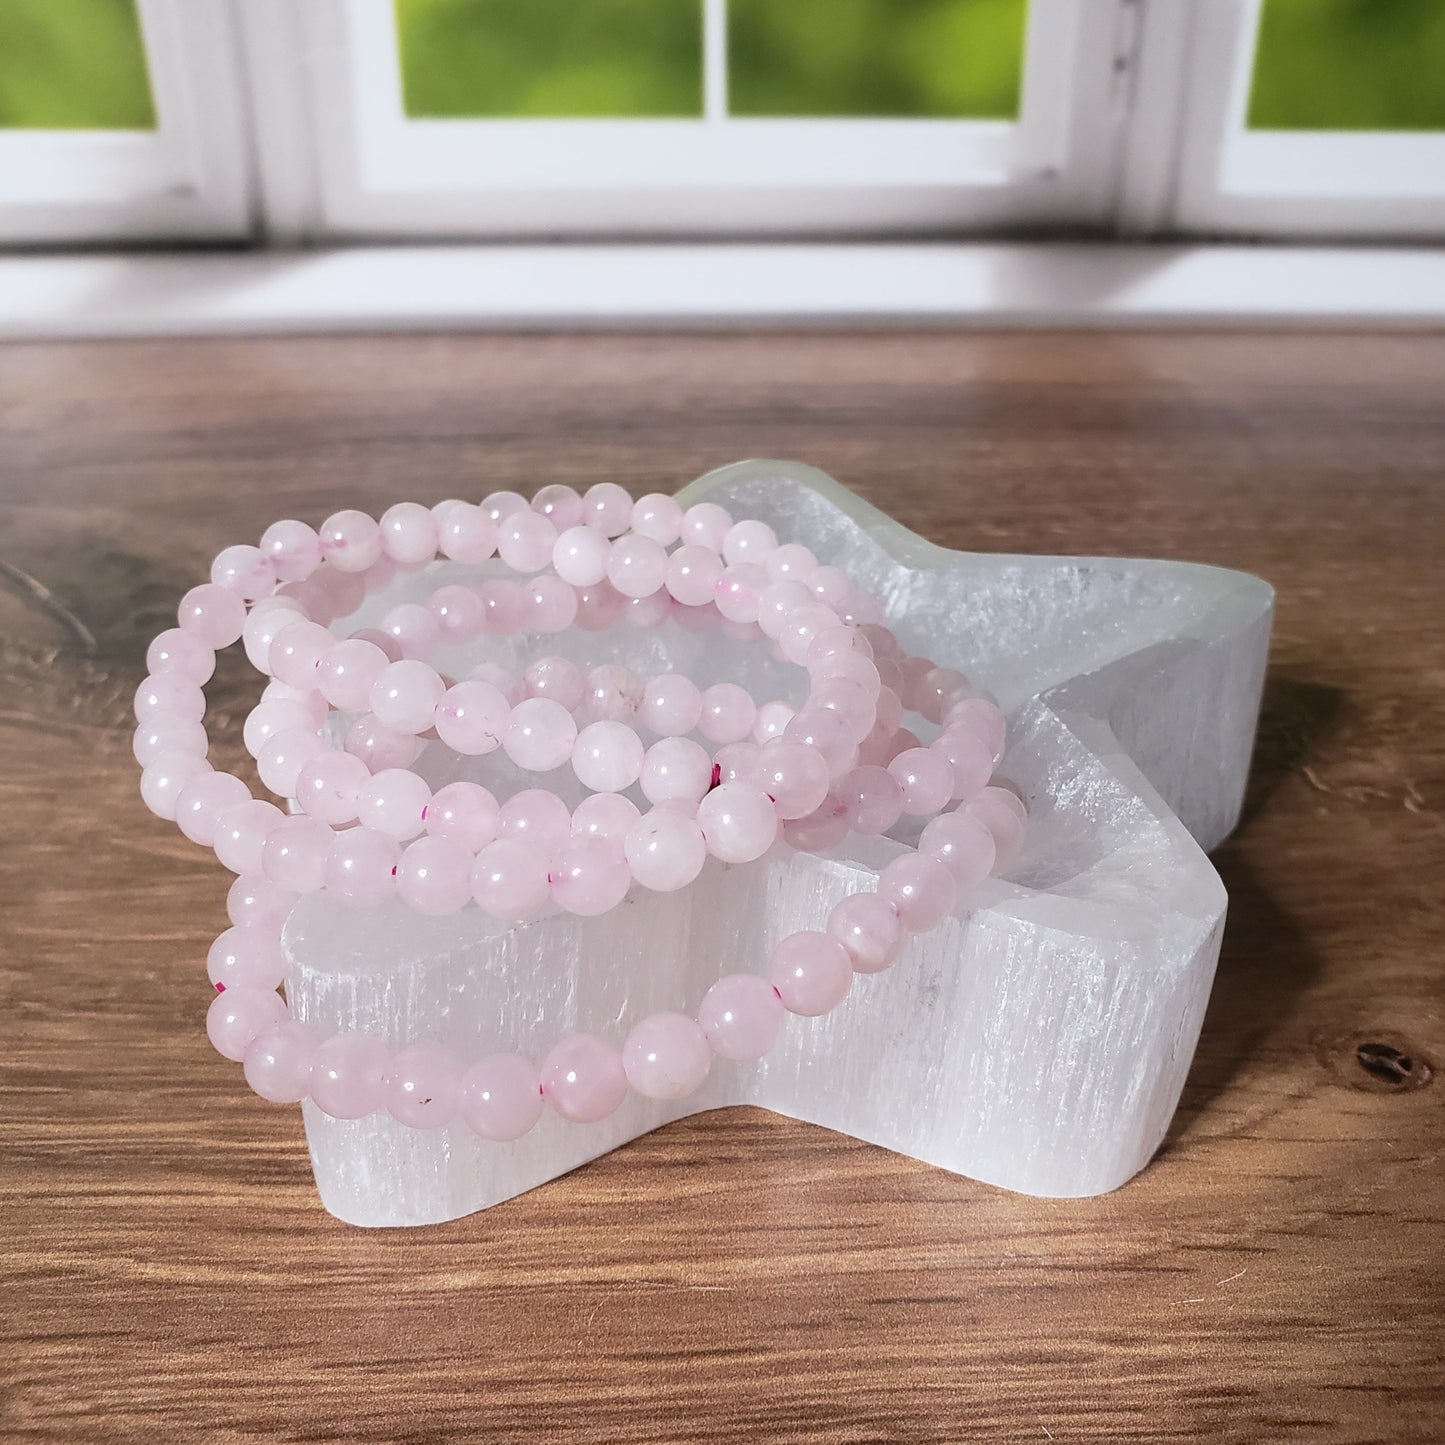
1038,1040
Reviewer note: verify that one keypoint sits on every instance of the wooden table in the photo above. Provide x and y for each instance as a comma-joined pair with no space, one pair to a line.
167,1271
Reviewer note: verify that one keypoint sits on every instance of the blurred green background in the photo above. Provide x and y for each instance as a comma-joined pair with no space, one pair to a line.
1321,64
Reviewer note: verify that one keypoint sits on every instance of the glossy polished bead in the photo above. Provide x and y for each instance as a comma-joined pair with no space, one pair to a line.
525,541
777,602
471,717
925,780
183,653
296,853
408,533
920,890
666,1056
749,541
164,778
348,1076
726,713
590,876
466,534
329,786
773,720
241,833
350,541
706,525
169,694
812,972
794,776
792,562
607,756
551,605
600,607
265,621
254,901
850,700
605,815
346,671
979,715
284,755
393,802
580,556
671,705
1002,813
202,799
509,879
613,693
244,570
378,747
168,733
827,732
502,504
507,680
636,566
297,650
273,716
434,876
963,844
692,575
738,822
559,504
246,958
665,850
675,770
556,678
583,1078
405,695
869,929
535,815
819,831
741,1016
607,507
423,1086
501,1097
293,548
213,613
970,757
873,798
413,629
237,1016
362,866
540,735
738,591
464,812
277,1063
657,517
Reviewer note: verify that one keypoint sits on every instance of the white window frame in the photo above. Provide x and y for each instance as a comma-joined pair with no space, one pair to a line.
189,178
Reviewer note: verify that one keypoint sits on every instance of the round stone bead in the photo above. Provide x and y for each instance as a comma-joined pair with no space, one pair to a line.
872,797
164,779
393,803
979,715
636,566
408,533
509,879
671,705
540,735
600,607
525,541
213,614
296,652
362,866
794,776
551,605
607,507
869,929
605,815
350,541
1003,814
675,770
706,525
471,717
348,1075
590,877
265,621
828,732
237,1016
925,780
342,591
583,1078
423,1086
168,733
935,690
920,890
607,756
413,629
535,815
773,720
182,653
467,813
284,755
741,1016
458,611
246,958
739,822
811,972
254,901
580,556
277,1064
850,700
272,717
792,562
466,534
738,592
201,801
727,713
963,844
657,517
405,695
665,850
330,785
556,678
169,694
613,693
749,541
378,747
293,548
970,757
501,1097
502,504
244,570
241,833
777,602
666,1056
559,504
820,830
296,852
692,575
434,876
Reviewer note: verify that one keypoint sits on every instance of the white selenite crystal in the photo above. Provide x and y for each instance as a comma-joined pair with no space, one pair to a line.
1038,1040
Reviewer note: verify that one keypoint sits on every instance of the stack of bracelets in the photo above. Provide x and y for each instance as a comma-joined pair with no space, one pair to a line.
366,827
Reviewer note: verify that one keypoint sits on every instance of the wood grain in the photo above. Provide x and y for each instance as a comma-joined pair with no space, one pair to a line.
167,1273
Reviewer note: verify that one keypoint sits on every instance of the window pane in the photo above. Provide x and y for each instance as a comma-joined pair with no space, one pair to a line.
924,58
73,65
1349,65
550,58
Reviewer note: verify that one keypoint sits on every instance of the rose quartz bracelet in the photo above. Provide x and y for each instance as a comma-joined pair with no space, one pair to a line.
841,762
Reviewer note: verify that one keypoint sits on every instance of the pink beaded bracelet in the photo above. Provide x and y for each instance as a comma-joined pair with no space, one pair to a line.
844,761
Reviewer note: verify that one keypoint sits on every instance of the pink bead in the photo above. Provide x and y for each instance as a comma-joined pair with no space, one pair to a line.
920,890
819,831
773,720
471,717
802,628
850,700
168,733
277,1064
348,1076
236,1017
706,525
408,533
540,735
254,901
202,799
600,607
434,876
637,566
423,1086
609,816
182,653
826,731
657,517
665,850
504,604
414,629
830,586
284,755
296,651
666,1056
551,605
271,718
970,757
791,562
329,786
963,844
394,802
607,756
508,681
362,866
583,1078
613,693
405,695
559,504
459,613
738,762
169,694
293,549
464,812
509,879
873,798
246,958
979,715
738,822
580,556
502,504
213,614
607,507
350,541
936,689
811,972
727,713
525,541
556,678
590,876
675,769
164,779
777,602
869,929
671,705
741,1015
1002,813
296,854
241,833
749,541
692,575
466,534
266,619
501,1097
378,747
535,815
244,570
738,591
926,781
794,776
